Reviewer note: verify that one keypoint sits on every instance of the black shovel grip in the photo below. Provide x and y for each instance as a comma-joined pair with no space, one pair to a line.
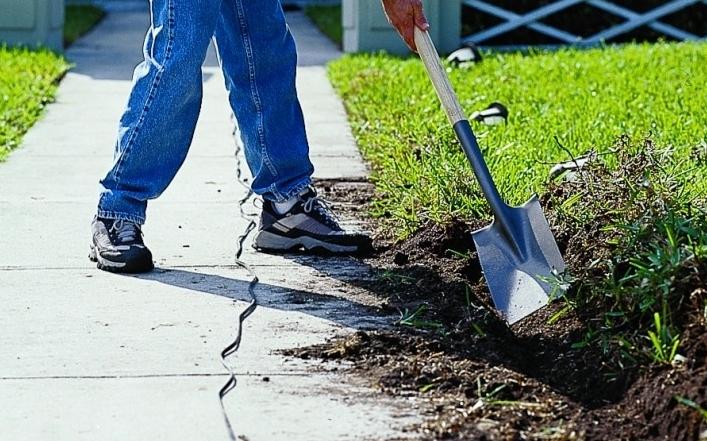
471,148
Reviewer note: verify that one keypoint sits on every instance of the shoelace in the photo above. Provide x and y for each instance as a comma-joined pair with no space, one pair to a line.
323,208
125,231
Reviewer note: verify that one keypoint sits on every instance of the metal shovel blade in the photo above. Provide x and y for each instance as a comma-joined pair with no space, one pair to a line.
517,269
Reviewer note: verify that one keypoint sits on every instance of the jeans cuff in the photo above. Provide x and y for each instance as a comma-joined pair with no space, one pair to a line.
295,190
140,220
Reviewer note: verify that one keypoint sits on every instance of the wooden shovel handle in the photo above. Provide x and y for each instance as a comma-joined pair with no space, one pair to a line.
438,75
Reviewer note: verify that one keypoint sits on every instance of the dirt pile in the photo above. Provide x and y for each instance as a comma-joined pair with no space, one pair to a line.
578,369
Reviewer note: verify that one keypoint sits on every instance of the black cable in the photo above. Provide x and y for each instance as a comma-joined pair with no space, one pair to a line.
235,345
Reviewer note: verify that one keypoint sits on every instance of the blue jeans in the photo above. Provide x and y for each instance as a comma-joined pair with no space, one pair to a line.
258,58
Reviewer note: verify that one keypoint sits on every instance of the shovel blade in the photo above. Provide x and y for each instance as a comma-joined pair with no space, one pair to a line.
519,269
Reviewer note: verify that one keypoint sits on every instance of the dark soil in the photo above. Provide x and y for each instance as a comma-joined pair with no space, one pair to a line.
482,380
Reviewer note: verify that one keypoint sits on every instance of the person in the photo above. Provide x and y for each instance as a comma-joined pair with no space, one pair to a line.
258,57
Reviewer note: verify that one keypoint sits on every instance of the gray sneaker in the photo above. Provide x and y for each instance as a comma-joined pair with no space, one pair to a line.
117,247
309,225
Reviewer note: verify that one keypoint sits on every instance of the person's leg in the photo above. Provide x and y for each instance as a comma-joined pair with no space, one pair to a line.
155,130
158,124
259,61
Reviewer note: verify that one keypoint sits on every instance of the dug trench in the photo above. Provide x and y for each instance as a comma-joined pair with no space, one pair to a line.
558,374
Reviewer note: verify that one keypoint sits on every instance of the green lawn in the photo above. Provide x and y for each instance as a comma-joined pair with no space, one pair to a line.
328,20
635,244
28,79
79,20
586,99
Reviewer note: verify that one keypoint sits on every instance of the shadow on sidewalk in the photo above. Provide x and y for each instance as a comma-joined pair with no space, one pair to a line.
334,308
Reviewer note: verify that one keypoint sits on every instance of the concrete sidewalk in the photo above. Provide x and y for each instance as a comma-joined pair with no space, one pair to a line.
88,355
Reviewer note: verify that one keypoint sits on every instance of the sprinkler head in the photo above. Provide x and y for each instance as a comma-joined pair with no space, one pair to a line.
495,113
465,55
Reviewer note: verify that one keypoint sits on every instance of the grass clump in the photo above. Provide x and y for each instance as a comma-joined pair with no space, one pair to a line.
328,20
28,81
583,99
637,248
79,20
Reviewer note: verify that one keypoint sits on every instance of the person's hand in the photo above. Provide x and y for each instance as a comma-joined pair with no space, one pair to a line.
404,15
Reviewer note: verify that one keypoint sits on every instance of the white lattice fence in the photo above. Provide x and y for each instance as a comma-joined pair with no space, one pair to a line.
631,20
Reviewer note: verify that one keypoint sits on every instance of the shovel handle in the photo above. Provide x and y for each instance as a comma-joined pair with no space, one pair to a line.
462,128
438,75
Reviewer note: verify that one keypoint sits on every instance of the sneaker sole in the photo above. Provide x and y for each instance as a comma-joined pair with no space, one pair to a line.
266,241
118,267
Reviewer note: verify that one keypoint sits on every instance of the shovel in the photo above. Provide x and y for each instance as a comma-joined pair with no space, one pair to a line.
518,253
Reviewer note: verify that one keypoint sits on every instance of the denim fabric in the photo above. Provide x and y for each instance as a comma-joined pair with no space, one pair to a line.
258,58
